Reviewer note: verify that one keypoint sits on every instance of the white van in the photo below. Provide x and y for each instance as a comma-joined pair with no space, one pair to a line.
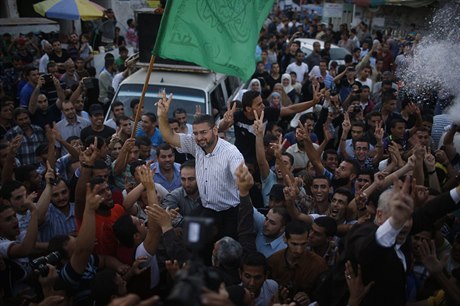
190,89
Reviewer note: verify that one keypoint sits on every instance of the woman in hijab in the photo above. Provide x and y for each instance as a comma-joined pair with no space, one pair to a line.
255,85
275,99
285,100
287,86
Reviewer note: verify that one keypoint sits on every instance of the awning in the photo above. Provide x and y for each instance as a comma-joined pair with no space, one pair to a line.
410,3
16,26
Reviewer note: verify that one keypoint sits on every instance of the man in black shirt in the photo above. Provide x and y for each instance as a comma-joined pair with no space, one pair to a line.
97,127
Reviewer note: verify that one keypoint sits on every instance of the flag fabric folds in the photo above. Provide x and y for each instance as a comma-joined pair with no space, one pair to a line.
220,35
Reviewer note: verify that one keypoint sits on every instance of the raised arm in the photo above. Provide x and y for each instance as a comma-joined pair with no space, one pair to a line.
346,126
34,97
162,110
303,106
312,154
87,235
72,150
87,159
278,150
264,167
246,233
26,246
51,154
378,133
327,137
45,198
60,93
291,192
155,229
430,164
120,163
227,121
10,163
78,91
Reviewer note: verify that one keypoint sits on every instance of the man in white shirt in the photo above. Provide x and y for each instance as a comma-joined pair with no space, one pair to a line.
299,67
216,161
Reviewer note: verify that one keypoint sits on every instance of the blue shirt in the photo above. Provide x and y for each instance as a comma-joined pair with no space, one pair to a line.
25,94
163,181
267,185
263,246
56,223
156,138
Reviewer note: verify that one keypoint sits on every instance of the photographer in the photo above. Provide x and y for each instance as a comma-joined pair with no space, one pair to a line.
42,112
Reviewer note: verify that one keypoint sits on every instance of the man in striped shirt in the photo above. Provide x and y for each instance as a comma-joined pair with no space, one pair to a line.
216,163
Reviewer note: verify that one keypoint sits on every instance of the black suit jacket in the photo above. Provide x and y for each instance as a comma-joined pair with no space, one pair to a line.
378,264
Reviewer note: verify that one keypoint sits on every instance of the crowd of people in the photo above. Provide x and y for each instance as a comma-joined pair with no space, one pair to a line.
341,188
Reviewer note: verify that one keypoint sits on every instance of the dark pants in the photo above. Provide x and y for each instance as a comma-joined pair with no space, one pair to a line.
226,221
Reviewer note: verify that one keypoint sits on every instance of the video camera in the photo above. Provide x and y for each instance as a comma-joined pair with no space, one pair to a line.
40,264
189,283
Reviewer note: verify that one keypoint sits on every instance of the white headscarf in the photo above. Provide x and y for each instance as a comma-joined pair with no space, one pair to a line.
289,88
252,82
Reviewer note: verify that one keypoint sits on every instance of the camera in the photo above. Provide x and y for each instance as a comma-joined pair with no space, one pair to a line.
189,283
40,264
89,83
49,84
357,109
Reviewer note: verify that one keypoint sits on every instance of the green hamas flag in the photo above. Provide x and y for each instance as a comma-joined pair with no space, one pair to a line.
220,35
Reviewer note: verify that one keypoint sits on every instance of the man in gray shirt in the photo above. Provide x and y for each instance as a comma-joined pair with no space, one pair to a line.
187,197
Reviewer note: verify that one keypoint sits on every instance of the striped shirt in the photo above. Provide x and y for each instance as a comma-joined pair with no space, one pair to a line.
215,172
26,152
56,223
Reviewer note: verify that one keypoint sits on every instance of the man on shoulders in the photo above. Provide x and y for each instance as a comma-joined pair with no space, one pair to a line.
218,160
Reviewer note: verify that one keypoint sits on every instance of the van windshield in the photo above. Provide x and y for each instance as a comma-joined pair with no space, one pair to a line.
186,98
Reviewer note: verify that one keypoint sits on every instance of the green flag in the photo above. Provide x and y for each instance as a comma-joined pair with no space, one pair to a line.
220,35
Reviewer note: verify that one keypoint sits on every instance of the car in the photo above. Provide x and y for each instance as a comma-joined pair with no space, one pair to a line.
337,53
208,90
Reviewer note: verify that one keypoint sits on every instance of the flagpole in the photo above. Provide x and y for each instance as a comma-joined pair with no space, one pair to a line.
141,100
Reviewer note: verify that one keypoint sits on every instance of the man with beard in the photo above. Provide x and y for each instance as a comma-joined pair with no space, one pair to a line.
243,120
187,197
268,177
217,160
108,212
321,238
337,209
297,151
106,215
344,174
295,268
71,125
60,217
254,277
167,172
97,127
33,137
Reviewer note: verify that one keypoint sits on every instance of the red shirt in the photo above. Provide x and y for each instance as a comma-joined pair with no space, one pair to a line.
106,242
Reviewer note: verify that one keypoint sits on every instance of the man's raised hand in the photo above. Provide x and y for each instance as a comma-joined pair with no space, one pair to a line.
163,104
